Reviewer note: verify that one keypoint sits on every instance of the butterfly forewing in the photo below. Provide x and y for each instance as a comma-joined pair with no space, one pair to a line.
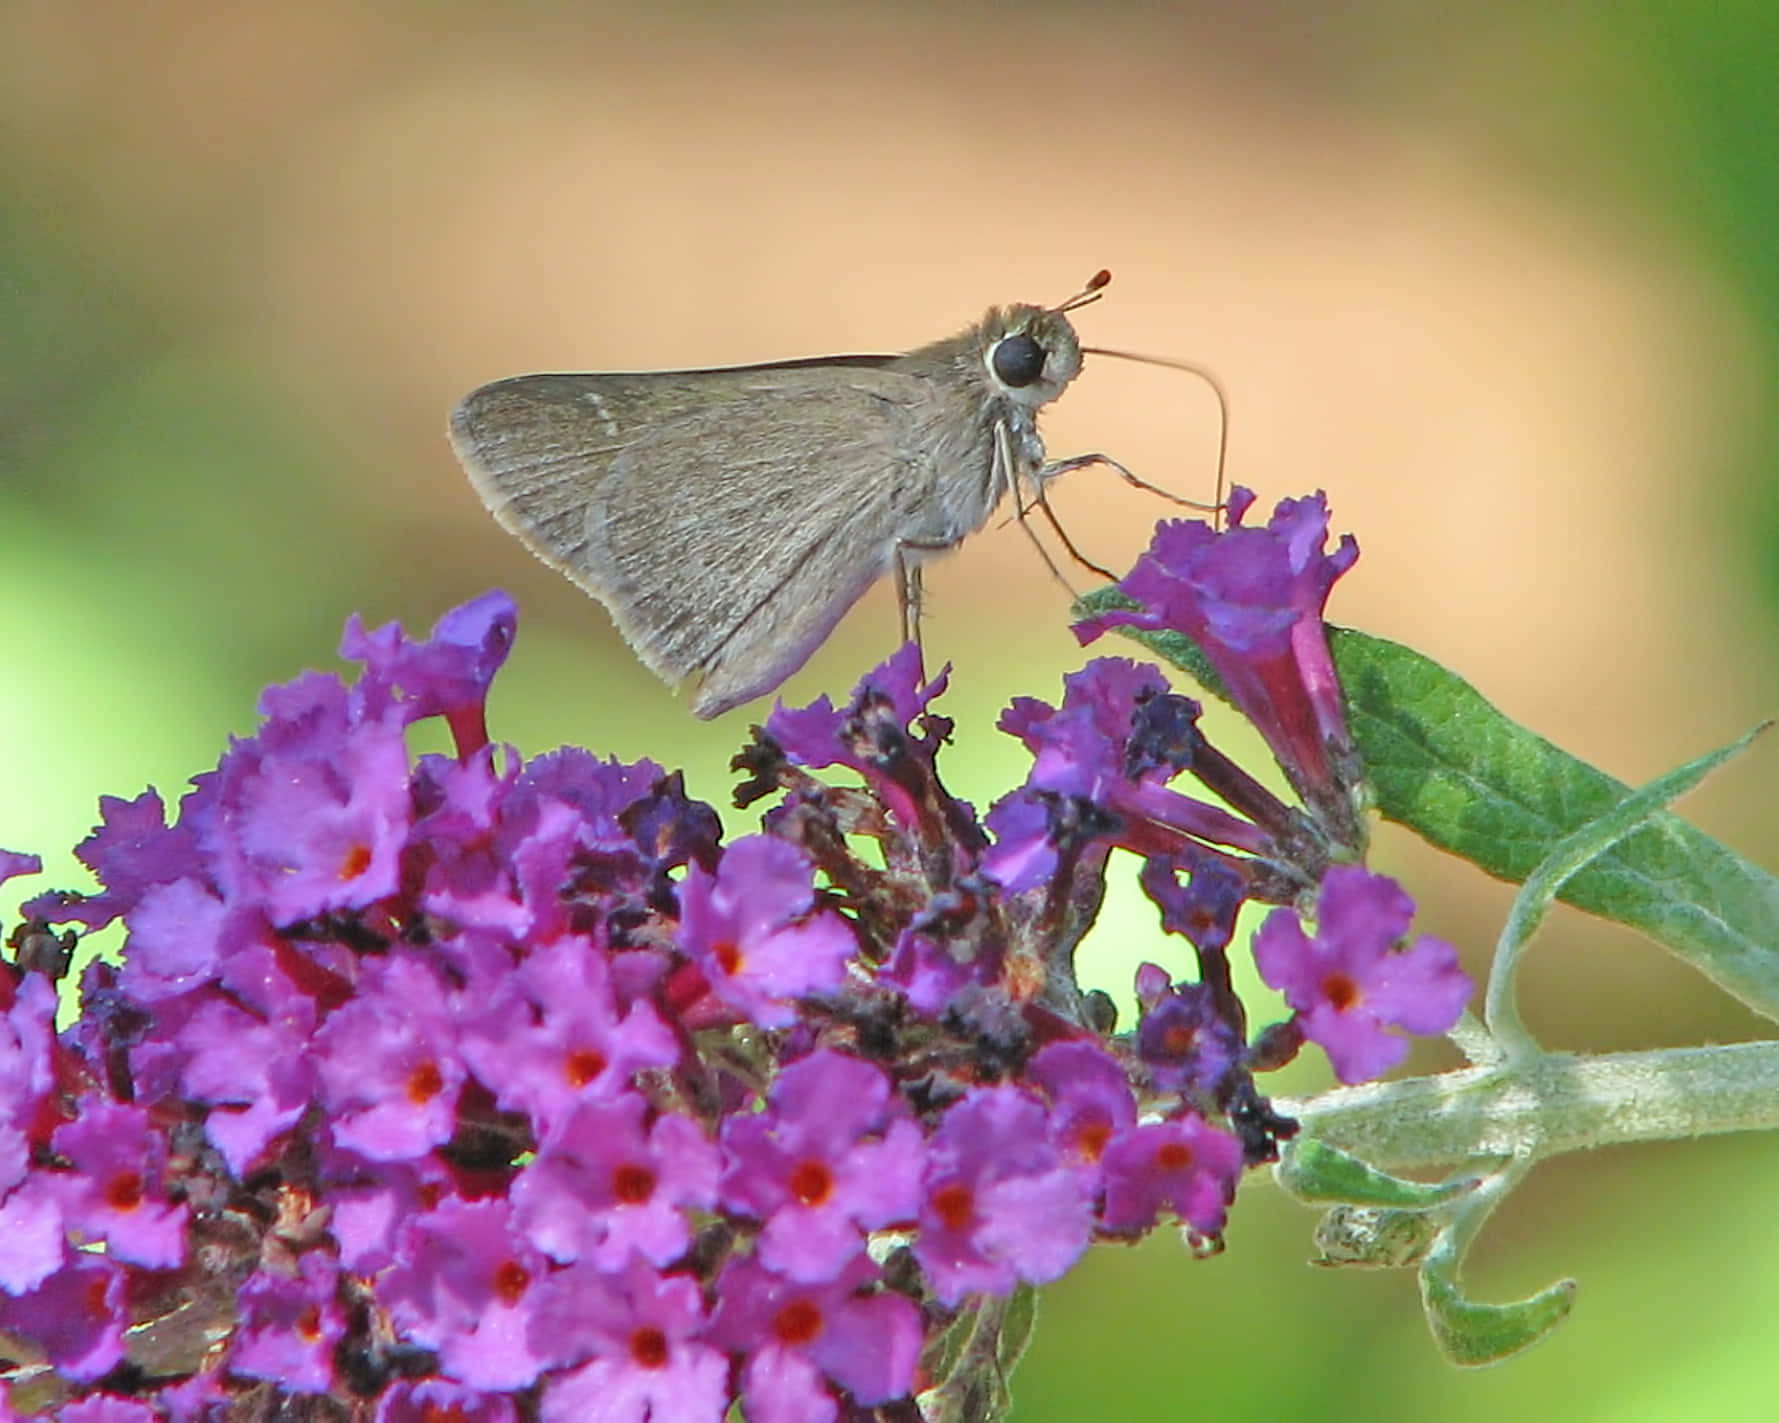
730,574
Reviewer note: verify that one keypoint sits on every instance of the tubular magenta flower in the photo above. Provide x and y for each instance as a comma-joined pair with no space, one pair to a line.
1251,599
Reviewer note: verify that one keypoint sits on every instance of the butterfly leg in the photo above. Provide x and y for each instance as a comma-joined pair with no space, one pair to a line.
1074,462
908,593
1021,509
1043,476
1043,506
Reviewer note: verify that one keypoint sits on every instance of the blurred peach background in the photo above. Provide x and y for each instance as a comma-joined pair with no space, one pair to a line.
1493,279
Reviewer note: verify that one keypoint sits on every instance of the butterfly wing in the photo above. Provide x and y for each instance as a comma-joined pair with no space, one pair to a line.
727,519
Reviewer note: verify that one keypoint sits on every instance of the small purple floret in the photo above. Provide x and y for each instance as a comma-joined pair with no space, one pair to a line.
640,1334
1355,978
466,1285
1184,1165
830,1159
798,1334
1002,1205
609,1184
116,1191
1091,1103
446,674
1182,1040
755,931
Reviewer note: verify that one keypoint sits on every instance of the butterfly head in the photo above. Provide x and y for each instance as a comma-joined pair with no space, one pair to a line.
1030,353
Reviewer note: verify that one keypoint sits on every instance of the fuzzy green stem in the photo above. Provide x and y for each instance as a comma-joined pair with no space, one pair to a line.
1549,1104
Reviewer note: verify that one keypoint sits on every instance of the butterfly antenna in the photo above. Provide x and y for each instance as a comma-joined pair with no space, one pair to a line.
1088,295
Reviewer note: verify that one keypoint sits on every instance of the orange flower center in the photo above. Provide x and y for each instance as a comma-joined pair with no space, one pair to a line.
633,1184
1174,1156
124,1191
424,1083
511,1281
648,1346
955,1205
799,1322
812,1183
583,1065
1340,990
1091,1139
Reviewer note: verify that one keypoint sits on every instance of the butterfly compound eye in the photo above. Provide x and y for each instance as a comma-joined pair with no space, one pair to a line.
1018,360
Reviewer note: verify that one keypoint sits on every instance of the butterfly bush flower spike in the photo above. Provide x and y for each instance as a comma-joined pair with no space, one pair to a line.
476,1086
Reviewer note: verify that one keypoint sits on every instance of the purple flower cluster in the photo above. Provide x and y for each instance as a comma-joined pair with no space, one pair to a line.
469,1086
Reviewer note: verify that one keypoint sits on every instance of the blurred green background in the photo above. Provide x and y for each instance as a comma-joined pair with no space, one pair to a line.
1502,278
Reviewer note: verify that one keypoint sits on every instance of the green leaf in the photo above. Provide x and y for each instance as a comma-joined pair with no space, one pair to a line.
1313,1170
1566,859
1018,1326
1472,1334
1448,765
